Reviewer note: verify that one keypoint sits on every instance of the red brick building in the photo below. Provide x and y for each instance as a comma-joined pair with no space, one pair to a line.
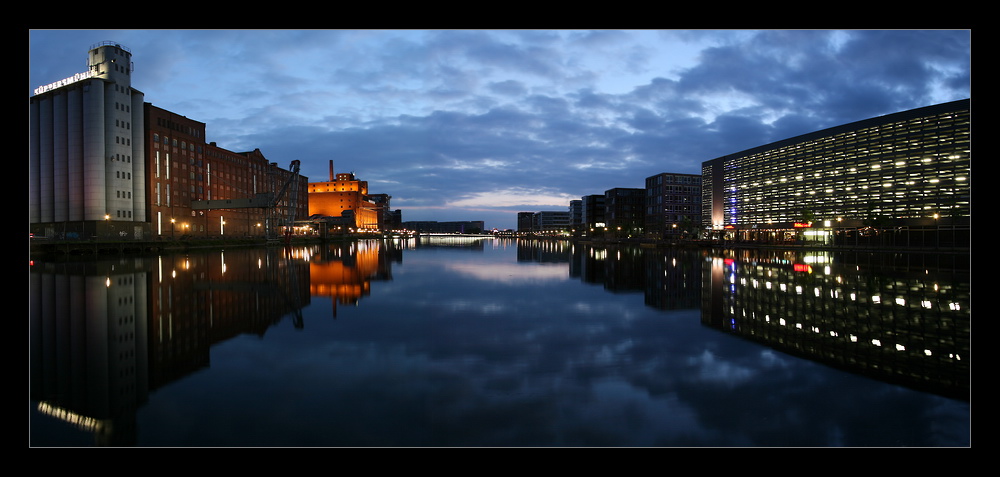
183,169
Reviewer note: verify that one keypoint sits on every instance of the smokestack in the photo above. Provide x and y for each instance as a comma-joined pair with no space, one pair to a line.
331,170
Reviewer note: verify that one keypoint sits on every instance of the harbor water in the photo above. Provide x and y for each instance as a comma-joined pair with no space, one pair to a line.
481,342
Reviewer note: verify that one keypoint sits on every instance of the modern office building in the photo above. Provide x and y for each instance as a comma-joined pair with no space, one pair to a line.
452,227
593,214
576,217
86,161
673,205
550,222
625,211
525,221
908,171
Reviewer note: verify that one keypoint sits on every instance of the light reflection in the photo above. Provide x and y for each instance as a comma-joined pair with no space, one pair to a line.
834,311
85,423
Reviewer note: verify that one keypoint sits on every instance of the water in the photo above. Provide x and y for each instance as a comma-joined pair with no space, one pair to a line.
500,343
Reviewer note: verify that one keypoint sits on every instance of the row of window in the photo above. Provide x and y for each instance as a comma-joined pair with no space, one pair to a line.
167,141
897,169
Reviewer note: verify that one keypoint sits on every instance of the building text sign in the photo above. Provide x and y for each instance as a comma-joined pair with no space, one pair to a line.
64,82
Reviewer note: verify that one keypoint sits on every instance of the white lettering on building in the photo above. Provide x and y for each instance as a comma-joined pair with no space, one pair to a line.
64,82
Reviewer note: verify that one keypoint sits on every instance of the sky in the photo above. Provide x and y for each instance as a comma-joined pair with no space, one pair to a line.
482,124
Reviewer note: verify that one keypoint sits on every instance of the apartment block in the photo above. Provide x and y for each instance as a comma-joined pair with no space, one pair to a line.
673,205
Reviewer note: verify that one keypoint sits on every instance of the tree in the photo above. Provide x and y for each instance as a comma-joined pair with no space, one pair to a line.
876,220
807,216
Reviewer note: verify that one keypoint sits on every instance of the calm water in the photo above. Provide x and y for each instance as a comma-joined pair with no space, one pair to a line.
500,343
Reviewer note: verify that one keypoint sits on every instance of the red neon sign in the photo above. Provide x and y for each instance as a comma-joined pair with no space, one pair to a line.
802,267
802,225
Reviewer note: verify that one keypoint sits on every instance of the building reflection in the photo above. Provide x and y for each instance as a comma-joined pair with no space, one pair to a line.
344,272
903,319
475,243
106,333
899,318
89,345
669,278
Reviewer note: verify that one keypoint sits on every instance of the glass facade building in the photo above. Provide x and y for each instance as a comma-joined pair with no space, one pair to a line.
908,169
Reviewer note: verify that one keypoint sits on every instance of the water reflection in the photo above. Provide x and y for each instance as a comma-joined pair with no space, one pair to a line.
900,318
458,335
344,272
106,333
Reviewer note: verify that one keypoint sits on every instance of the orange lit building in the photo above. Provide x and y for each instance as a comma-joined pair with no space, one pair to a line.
343,196
348,278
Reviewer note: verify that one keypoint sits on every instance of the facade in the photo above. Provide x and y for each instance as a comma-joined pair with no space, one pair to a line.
186,176
388,219
593,214
909,170
544,222
625,211
552,221
673,205
86,161
104,164
344,196
454,227
576,216
525,221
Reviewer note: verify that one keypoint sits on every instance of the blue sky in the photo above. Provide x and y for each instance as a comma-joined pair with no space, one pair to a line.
482,124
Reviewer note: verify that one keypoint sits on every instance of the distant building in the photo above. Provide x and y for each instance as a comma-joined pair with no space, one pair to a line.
386,217
525,221
908,171
625,211
394,220
593,219
454,227
673,205
576,216
544,222
552,221
344,196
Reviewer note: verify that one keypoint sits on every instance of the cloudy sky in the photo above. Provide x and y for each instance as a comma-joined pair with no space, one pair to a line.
482,124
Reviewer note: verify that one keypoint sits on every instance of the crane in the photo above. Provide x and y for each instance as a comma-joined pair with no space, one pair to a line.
293,198
267,200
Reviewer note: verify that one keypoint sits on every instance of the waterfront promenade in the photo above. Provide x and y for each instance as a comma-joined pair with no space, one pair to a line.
39,246
111,247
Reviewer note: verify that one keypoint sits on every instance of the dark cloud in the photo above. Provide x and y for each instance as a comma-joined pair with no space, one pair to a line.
437,118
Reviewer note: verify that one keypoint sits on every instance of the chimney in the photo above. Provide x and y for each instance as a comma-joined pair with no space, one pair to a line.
331,171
